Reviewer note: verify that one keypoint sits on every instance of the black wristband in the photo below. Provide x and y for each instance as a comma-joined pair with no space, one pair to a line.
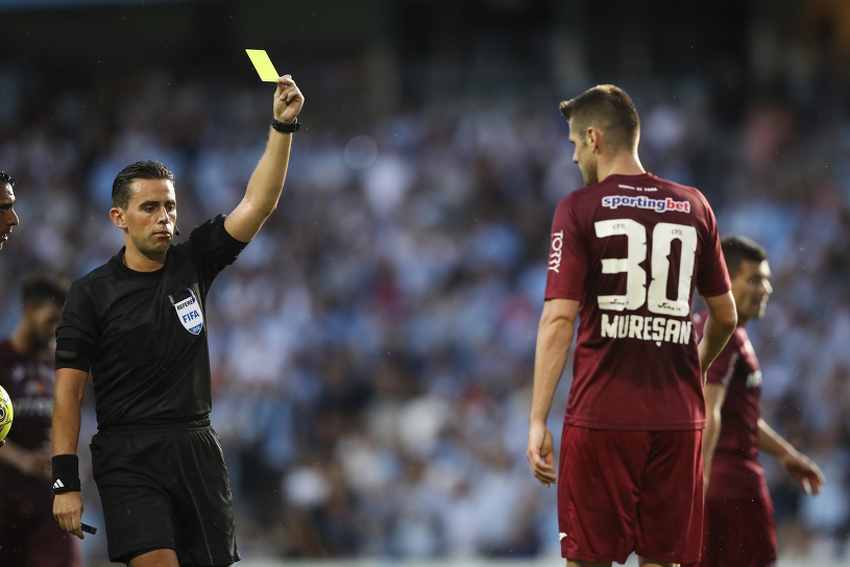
286,127
66,473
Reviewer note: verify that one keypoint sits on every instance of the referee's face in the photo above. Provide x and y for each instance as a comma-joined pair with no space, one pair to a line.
150,216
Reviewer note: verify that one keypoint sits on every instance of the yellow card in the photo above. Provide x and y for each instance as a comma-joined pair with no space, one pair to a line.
263,65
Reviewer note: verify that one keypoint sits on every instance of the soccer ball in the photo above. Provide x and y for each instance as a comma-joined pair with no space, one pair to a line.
6,413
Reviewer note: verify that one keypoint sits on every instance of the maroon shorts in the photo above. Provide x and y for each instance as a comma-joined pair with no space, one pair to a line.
625,491
739,532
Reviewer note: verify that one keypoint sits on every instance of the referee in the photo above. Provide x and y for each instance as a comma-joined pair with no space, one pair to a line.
138,324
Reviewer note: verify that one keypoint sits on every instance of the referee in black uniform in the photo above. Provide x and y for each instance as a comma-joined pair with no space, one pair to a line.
138,324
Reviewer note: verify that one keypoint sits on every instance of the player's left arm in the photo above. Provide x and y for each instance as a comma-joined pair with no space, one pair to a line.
719,326
266,183
31,462
798,465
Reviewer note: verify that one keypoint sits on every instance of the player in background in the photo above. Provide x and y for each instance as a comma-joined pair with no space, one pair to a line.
626,252
739,528
8,216
29,536
137,323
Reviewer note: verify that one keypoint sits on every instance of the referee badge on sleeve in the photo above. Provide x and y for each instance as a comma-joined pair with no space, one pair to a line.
189,312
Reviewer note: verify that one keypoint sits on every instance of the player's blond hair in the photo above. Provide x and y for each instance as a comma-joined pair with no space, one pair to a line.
611,110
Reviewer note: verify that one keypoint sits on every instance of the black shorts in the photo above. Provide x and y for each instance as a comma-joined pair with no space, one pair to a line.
165,487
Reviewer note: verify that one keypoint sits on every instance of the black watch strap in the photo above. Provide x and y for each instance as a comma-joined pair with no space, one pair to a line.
285,127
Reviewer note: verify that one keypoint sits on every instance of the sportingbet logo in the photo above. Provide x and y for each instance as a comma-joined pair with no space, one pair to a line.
642,202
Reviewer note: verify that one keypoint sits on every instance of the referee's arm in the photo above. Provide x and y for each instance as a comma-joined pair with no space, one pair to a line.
70,384
266,182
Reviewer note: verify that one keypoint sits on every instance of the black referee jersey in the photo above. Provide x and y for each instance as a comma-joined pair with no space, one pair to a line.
143,335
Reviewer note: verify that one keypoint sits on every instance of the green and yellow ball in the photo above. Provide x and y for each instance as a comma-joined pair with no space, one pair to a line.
7,413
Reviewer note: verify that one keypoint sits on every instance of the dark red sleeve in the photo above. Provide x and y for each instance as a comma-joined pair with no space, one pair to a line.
712,275
567,255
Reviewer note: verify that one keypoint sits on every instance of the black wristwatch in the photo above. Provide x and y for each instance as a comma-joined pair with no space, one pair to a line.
285,127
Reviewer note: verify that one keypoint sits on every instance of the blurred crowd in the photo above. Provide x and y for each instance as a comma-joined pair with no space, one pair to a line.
373,347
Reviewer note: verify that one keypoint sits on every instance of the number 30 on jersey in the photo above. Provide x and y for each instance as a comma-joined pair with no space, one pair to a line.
637,293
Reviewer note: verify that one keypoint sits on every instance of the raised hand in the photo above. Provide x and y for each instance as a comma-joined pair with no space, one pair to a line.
288,100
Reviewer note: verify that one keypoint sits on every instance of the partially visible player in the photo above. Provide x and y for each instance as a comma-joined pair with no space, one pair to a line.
29,536
8,216
739,527
626,253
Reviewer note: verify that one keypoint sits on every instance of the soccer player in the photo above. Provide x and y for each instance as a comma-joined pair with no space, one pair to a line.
626,252
29,536
8,216
138,324
739,528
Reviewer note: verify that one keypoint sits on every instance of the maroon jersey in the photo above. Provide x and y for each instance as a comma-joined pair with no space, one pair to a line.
631,249
29,381
735,469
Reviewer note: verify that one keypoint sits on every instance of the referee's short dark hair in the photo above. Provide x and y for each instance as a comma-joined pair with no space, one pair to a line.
739,248
608,108
40,288
6,179
121,192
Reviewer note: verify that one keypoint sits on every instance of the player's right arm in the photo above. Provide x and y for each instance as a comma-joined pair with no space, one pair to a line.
715,395
798,465
70,384
554,334
719,326
31,462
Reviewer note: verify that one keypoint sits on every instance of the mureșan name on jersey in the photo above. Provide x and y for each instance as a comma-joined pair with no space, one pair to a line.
656,329
643,202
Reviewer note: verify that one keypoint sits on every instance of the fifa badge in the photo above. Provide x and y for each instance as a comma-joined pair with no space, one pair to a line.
189,313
